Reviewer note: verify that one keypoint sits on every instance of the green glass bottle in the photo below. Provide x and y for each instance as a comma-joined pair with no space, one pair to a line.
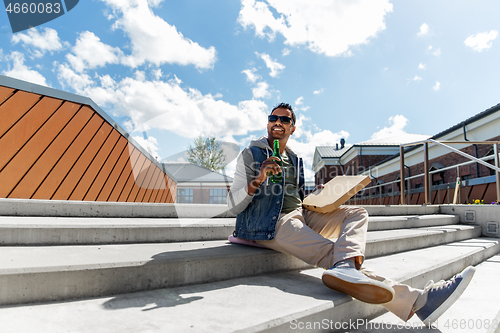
277,178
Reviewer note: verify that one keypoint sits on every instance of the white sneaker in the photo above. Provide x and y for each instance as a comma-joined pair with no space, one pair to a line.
352,282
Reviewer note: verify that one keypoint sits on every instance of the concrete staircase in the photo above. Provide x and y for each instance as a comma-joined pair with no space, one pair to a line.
88,267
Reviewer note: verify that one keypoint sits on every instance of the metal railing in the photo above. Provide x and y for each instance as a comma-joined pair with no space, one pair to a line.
427,173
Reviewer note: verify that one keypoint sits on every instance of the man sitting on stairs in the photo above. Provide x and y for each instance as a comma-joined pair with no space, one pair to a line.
271,215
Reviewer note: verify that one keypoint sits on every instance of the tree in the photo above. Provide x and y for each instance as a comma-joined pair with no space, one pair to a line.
207,153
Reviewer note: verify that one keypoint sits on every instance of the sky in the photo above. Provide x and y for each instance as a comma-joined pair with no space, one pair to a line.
170,71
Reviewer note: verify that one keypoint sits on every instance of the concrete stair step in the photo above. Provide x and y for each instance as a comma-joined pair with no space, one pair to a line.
410,221
401,210
385,242
61,208
72,208
273,302
17,230
46,273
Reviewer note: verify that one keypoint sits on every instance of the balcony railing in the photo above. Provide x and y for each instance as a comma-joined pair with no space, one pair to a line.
427,186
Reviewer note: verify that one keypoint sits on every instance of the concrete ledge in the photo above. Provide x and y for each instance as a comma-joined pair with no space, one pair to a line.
58,208
17,230
61,273
65,272
482,215
42,230
376,210
387,242
411,221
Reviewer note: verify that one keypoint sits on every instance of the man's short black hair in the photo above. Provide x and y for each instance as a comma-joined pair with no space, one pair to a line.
285,106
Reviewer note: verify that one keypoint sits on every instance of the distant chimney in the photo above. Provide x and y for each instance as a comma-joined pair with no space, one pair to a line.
342,143
337,147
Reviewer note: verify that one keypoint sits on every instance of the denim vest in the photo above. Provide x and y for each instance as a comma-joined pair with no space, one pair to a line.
258,220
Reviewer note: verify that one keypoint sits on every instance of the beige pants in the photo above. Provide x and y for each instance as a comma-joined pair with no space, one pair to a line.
309,236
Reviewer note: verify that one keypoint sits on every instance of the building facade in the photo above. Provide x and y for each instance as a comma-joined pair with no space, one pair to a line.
199,185
381,161
332,161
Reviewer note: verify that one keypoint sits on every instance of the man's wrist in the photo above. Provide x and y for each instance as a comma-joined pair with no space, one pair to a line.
256,183
253,186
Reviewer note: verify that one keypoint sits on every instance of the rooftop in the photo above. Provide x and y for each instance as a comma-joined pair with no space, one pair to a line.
470,120
187,172
395,140
331,151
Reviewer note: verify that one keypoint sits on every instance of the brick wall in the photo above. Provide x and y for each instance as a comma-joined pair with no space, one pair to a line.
448,176
202,195
356,165
328,172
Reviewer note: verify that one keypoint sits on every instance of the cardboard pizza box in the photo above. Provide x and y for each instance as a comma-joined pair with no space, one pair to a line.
335,193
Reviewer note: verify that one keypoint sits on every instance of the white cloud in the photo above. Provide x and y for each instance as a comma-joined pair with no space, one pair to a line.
299,103
275,67
325,27
285,52
157,73
415,79
437,86
89,52
422,66
67,77
481,41
251,76
150,144
424,29
167,105
261,91
41,42
397,124
317,92
154,40
22,72
307,137
436,52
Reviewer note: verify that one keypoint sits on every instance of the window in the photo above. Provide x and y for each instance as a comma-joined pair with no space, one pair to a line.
185,195
218,196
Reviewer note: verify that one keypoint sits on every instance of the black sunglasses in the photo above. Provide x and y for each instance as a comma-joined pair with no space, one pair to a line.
284,119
